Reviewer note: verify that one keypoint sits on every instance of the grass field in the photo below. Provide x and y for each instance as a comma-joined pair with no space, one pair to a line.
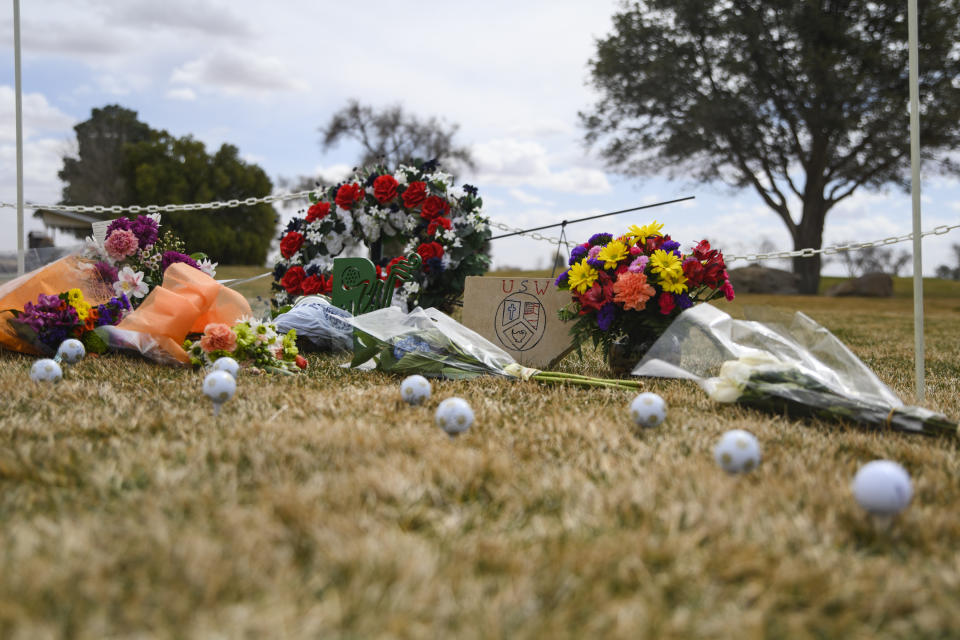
321,506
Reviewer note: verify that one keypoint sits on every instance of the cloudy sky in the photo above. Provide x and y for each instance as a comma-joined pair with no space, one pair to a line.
265,75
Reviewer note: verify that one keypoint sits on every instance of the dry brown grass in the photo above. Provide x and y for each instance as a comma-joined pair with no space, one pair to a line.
323,507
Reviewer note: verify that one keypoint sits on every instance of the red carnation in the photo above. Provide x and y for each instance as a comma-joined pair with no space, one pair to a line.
313,285
437,222
667,303
433,207
348,195
429,250
292,280
301,362
290,244
318,211
415,194
385,189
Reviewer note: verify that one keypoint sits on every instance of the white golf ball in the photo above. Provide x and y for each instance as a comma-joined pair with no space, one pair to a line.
454,416
738,451
219,386
882,487
648,409
46,370
414,390
71,351
228,364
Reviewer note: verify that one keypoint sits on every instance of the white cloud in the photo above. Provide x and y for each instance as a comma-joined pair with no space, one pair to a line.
332,174
208,18
513,163
47,132
39,116
237,72
182,93
78,35
527,198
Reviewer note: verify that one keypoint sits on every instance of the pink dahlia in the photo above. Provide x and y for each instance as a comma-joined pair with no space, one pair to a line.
120,244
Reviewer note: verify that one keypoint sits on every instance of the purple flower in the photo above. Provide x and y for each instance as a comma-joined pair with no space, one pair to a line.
48,302
577,255
51,323
171,257
671,245
119,223
145,228
561,280
683,300
605,316
105,316
599,239
596,264
106,271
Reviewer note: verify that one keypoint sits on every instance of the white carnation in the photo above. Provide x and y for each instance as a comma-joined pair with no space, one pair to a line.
324,263
333,242
346,217
370,227
399,219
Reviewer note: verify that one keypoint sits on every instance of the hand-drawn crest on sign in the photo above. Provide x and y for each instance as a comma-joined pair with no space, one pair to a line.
520,321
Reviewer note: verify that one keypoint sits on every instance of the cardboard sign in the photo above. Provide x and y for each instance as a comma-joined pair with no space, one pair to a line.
520,316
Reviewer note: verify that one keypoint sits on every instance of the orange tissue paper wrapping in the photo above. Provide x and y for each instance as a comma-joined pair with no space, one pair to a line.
71,272
186,302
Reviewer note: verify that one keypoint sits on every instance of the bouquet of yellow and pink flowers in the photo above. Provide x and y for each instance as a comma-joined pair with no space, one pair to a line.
627,290
251,342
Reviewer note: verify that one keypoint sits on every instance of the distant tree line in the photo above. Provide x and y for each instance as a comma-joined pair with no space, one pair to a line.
121,160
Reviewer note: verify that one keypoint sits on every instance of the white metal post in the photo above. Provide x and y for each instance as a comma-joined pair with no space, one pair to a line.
19,110
915,192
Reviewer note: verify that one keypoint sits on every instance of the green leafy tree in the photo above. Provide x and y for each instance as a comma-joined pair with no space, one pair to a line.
95,175
123,161
802,100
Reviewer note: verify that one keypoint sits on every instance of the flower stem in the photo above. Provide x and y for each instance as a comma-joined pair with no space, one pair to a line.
584,381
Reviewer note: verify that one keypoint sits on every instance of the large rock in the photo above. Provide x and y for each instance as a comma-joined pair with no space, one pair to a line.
869,285
757,279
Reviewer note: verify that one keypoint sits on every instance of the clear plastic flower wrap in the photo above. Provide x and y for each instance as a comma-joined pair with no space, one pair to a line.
314,317
431,343
782,363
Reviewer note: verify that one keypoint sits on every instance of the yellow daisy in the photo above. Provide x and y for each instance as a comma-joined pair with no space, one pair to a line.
673,283
640,233
614,252
582,276
74,296
666,264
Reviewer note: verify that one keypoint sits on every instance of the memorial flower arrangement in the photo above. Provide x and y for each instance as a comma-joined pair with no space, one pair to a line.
250,342
413,209
54,318
134,255
627,289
